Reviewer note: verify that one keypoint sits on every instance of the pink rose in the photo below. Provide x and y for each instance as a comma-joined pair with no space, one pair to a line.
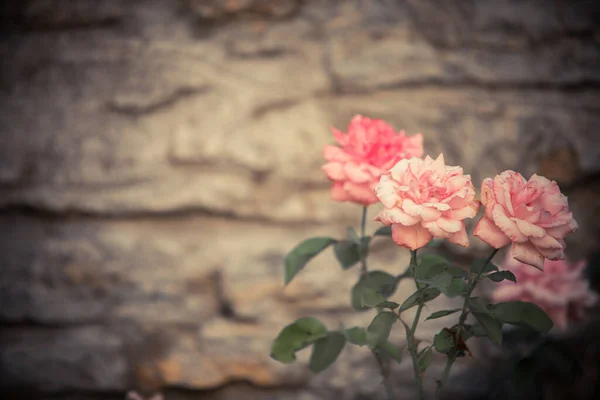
423,199
561,290
533,215
370,148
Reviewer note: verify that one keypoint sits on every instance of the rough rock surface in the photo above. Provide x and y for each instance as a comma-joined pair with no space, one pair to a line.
159,158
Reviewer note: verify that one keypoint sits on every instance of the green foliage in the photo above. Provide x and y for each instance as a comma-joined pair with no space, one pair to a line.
389,350
479,265
520,313
384,231
357,336
379,329
442,313
326,350
477,305
425,359
347,253
297,336
371,298
492,326
502,275
303,253
523,314
475,330
458,287
438,272
427,294
443,341
379,281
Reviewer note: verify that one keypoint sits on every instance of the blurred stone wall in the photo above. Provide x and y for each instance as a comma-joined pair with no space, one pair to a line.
159,158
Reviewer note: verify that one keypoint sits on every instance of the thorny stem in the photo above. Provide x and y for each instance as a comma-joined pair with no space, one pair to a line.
462,319
362,235
389,393
412,345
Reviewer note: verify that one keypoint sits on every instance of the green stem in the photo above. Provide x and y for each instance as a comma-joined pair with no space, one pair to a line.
389,393
362,235
463,318
412,346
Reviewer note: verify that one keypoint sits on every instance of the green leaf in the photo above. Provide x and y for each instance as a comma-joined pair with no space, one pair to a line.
443,313
326,350
296,336
347,253
477,305
443,342
523,314
458,287
430,265
352,235
492,326
379,329
428,294
388,304
357,336
384,231
480,264
502,275
389,350
474,330
441,281
424,359
370,298
382,282
373,299
364,247
303,253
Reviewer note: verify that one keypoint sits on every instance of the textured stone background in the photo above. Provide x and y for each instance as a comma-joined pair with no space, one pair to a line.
159,158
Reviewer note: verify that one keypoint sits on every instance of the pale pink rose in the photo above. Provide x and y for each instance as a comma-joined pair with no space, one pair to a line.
534,215
370,148
423,199
561,290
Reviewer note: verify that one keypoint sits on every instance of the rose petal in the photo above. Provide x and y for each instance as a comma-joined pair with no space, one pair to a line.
338,193
546,242
436,230
413,237
528,254
529,229
362,194
396,216
507,226
334,171
487,231
461,238
334,153
449,225
469,211
561,230
357,174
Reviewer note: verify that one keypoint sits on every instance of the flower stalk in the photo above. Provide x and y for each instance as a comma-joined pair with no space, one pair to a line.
461,321
412,343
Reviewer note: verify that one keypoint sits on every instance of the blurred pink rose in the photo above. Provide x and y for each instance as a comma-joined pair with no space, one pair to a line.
370,148
423,199
533,215
560,290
